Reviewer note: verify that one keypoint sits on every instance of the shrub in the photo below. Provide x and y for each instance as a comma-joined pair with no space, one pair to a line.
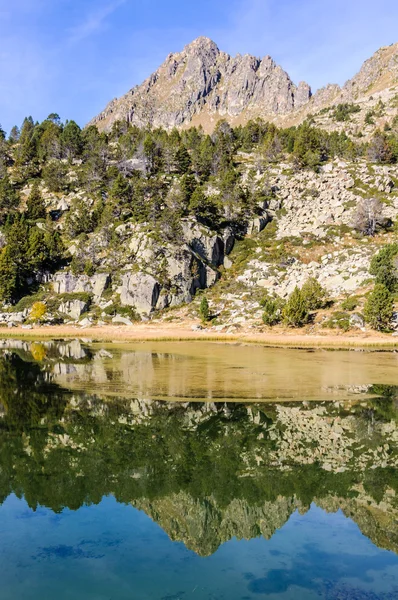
343,112
379,307
273,309
349,303
338,320
382,267
295,312
37,311
314,294
204,309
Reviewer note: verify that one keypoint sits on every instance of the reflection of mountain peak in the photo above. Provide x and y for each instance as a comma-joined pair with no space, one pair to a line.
203,525
206,472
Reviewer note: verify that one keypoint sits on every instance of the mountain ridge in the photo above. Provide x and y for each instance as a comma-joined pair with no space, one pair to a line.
202,84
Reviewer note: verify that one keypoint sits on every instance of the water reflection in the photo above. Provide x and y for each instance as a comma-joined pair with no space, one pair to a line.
186,371
207,472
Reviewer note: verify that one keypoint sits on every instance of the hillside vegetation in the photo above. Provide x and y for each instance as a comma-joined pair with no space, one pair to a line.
120,225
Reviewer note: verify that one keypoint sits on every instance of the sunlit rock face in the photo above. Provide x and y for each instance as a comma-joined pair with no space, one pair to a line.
204,83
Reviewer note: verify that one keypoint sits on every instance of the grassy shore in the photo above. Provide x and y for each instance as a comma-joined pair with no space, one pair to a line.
183,332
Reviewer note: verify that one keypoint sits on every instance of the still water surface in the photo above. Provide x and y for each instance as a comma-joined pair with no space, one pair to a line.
111,490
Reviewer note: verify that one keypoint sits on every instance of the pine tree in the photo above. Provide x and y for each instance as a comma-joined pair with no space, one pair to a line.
379,307
72,142
204,310
35,208
8,276
295,313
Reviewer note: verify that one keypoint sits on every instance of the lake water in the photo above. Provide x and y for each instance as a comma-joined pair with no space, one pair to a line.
175,471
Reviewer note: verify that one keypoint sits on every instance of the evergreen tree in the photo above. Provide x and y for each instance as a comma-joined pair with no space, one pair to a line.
8,276
9,197
204,309
205,208
379,307
72,142
35,208
295,312
120,190
14,135
183,160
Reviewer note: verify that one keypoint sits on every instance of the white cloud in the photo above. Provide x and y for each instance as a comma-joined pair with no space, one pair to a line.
94,22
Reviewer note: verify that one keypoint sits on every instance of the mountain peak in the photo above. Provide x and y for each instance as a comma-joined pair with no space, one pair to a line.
202,43
201,85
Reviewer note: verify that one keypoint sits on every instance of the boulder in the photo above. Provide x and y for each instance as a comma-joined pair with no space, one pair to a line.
73,308
258,224
65,282
204,242
121,320
357,321
140,290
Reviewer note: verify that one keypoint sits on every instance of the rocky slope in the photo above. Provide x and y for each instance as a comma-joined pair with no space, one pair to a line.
202,84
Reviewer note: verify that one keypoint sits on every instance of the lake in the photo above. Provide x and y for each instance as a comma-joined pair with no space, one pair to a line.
169,471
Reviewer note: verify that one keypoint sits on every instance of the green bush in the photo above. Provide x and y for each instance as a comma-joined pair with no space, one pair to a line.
382,267
338,320
124,311
273,309
295,312
379,307
314,294
204,309
350,303
343,112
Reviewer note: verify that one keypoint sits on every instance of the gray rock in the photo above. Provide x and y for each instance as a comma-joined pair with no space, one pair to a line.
141,291
85,322
121,320
73,308
65,282
357,321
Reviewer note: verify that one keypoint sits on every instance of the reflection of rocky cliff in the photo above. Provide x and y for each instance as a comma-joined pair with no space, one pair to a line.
206,472
203,525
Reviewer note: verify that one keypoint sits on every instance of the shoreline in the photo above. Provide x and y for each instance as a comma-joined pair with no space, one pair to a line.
183,333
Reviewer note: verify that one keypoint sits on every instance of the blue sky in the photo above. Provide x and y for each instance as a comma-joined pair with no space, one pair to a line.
73,56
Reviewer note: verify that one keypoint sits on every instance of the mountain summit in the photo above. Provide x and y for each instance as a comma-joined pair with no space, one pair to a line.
202,84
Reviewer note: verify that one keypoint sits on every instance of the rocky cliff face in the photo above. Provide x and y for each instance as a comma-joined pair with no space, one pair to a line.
202,84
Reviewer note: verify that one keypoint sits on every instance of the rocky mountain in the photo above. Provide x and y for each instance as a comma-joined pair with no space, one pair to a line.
201,84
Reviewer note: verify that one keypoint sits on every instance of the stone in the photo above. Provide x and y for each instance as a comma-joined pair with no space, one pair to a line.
227,262
357,321
85,322
139,290
73,308
65,282
121,320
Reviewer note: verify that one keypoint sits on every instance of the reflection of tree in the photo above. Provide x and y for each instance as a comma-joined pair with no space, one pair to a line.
60,456
26,395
